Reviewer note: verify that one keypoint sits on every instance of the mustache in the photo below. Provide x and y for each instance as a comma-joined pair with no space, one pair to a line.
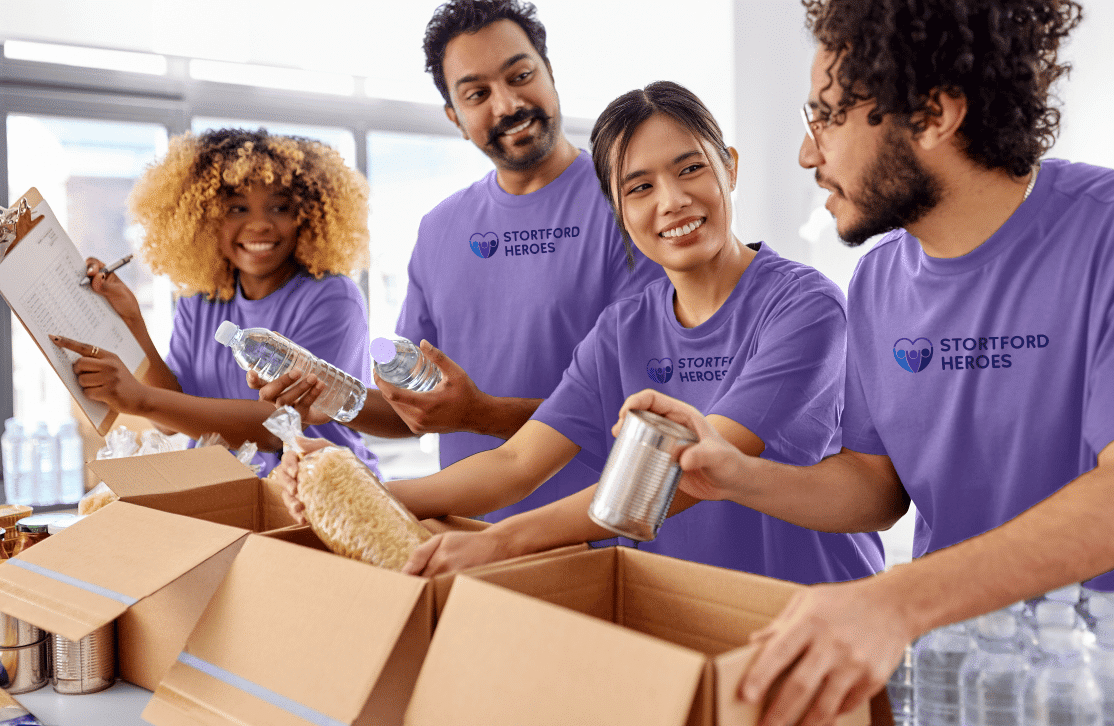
509,122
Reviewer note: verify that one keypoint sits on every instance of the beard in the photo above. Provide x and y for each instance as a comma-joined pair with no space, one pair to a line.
896,192
533,150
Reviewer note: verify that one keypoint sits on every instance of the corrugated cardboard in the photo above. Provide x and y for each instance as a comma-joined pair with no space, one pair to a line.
170,565
294,630
206,483
607,636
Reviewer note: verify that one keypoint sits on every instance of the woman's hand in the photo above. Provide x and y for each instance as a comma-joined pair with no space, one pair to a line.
712,466
291,389
454,551
286,473
113,289
104,377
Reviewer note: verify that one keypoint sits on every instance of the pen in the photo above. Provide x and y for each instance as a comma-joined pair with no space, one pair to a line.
110,269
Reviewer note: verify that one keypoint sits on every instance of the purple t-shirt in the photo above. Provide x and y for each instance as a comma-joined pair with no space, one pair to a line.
327,317
507,285
771,359
988,379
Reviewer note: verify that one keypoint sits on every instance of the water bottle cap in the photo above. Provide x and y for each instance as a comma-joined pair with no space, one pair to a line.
226,331
383,350
998,624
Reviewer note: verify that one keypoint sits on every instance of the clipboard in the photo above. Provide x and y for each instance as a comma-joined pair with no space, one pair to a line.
40,269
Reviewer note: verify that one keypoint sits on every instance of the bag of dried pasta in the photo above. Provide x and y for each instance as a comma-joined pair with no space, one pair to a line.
346,505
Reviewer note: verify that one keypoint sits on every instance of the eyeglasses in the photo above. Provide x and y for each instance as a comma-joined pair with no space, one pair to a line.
814,125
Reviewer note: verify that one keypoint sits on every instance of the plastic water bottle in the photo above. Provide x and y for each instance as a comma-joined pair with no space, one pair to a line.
900,690
271,355
11,448
45,482
1102,664
1097,607
71,455
992,678
937,658
1061,689
403,364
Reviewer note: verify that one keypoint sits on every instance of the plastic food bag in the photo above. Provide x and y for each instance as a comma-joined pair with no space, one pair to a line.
347,507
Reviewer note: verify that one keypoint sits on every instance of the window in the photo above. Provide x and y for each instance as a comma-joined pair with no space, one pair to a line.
85,170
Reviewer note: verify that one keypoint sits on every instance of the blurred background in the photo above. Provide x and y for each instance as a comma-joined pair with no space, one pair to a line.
90,93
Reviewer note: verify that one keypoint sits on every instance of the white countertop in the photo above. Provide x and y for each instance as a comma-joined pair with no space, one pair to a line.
119,705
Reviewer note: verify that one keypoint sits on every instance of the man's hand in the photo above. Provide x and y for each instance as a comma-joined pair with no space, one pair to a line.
454,404
712,466
837,645
454,551
104,377
291,389
286,473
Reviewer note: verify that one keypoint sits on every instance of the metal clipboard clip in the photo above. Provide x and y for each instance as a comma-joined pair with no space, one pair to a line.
15,223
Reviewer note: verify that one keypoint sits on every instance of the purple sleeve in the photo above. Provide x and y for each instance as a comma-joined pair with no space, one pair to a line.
858,429
790,392
575,408
414,320
1098,411
180,358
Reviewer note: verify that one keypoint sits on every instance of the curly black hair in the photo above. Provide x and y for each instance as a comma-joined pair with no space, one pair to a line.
1000,55
469,16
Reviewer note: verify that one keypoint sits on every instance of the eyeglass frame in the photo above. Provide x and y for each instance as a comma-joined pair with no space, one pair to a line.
806,112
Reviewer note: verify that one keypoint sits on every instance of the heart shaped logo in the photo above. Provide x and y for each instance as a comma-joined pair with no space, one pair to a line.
660,370
484,244
913,355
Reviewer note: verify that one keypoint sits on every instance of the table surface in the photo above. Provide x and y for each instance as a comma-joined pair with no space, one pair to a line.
119,705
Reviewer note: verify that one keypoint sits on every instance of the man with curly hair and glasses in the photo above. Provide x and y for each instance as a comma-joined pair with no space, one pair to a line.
250,227
980,372
510,273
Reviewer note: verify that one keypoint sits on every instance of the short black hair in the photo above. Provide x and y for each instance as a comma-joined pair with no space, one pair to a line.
1000,55
614,128
469,16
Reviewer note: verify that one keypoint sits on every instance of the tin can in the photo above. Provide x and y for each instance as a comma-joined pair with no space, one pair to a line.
24,655
87,665
641,475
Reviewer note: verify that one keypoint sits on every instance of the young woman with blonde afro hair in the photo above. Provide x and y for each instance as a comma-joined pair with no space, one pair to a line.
251,227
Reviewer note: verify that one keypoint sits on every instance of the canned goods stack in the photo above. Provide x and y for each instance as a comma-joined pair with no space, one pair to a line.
30,656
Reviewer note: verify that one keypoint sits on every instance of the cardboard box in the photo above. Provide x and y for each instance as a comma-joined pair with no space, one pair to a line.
208,483
604,636
295,635
151,571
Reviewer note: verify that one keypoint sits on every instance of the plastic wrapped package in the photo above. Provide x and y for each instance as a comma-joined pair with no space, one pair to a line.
347,507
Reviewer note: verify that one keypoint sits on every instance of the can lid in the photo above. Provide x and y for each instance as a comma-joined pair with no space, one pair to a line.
62,522
683,434
39,523
226,331
383,350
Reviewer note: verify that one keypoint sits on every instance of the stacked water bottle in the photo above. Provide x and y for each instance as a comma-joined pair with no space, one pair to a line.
1043,662
42,466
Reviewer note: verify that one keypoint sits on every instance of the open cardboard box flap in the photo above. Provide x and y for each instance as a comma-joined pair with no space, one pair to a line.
88,575
204,483
296,634
572,644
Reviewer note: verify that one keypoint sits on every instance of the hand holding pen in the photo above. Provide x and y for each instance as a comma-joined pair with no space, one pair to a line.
106,271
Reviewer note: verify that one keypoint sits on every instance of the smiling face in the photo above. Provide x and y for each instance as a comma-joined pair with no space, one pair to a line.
503,98
672,190
258,235
876,181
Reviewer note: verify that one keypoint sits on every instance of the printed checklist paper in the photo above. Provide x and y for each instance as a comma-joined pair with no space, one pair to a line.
39,279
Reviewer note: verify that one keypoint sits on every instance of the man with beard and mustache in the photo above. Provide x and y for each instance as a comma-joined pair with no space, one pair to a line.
510,273
980,370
